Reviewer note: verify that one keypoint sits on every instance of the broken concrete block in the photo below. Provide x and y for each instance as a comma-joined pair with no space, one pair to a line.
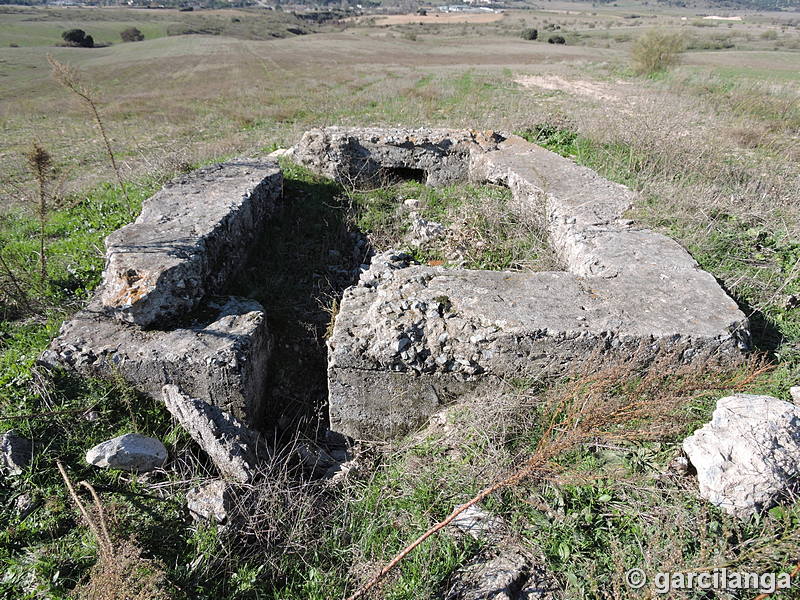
481,525
230,444
500,577
408,339
748,455
223,359
130,452
188,239
15,453
507,573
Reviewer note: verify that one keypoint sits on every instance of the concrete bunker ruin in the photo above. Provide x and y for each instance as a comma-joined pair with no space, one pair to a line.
408,338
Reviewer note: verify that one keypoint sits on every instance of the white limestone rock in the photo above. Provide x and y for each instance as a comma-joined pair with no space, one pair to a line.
130,452
211,502
15,453
748,455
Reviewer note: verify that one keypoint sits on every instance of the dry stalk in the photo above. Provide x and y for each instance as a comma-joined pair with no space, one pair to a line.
100,532
70,79
583,412
40,162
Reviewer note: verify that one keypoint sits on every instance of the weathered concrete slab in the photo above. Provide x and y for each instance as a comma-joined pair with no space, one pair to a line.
233,447
164,268
349,155
420,336
409,338
223,359
188,239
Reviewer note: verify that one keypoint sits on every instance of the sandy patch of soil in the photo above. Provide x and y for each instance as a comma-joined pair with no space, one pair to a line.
590,89
716,18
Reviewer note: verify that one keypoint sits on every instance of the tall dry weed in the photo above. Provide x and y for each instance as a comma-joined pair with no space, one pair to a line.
70,79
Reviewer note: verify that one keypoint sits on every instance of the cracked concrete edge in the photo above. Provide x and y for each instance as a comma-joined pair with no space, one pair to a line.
188,239
186,243
223,359
234,448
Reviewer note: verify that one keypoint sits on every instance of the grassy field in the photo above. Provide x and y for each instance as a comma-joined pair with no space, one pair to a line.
711,145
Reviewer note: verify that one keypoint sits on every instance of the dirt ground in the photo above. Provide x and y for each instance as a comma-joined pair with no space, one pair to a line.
589,89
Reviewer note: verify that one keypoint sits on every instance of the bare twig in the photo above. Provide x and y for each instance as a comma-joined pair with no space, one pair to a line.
89,520
21,294
70,79
48,413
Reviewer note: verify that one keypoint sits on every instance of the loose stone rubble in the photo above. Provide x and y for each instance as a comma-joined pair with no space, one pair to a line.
155,319
502,571
232,447
130,452
423,230
748,455
212,501
15,453
408,338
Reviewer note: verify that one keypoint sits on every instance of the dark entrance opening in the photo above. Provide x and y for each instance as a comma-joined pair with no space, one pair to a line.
391,175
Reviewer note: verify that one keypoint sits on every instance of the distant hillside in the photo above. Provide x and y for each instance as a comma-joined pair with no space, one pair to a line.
758,4
762,5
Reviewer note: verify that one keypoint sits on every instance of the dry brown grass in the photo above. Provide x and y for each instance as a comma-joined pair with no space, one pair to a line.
120,572
125,576
617,404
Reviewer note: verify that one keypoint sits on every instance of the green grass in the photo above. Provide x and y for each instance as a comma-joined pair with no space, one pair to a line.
23,33
27,27
486,233
74,244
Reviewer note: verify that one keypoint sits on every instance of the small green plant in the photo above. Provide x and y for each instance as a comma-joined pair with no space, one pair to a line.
556,39
655,51
529,34
131,34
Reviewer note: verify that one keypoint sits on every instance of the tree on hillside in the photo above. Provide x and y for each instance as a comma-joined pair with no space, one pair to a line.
78,37
131,34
